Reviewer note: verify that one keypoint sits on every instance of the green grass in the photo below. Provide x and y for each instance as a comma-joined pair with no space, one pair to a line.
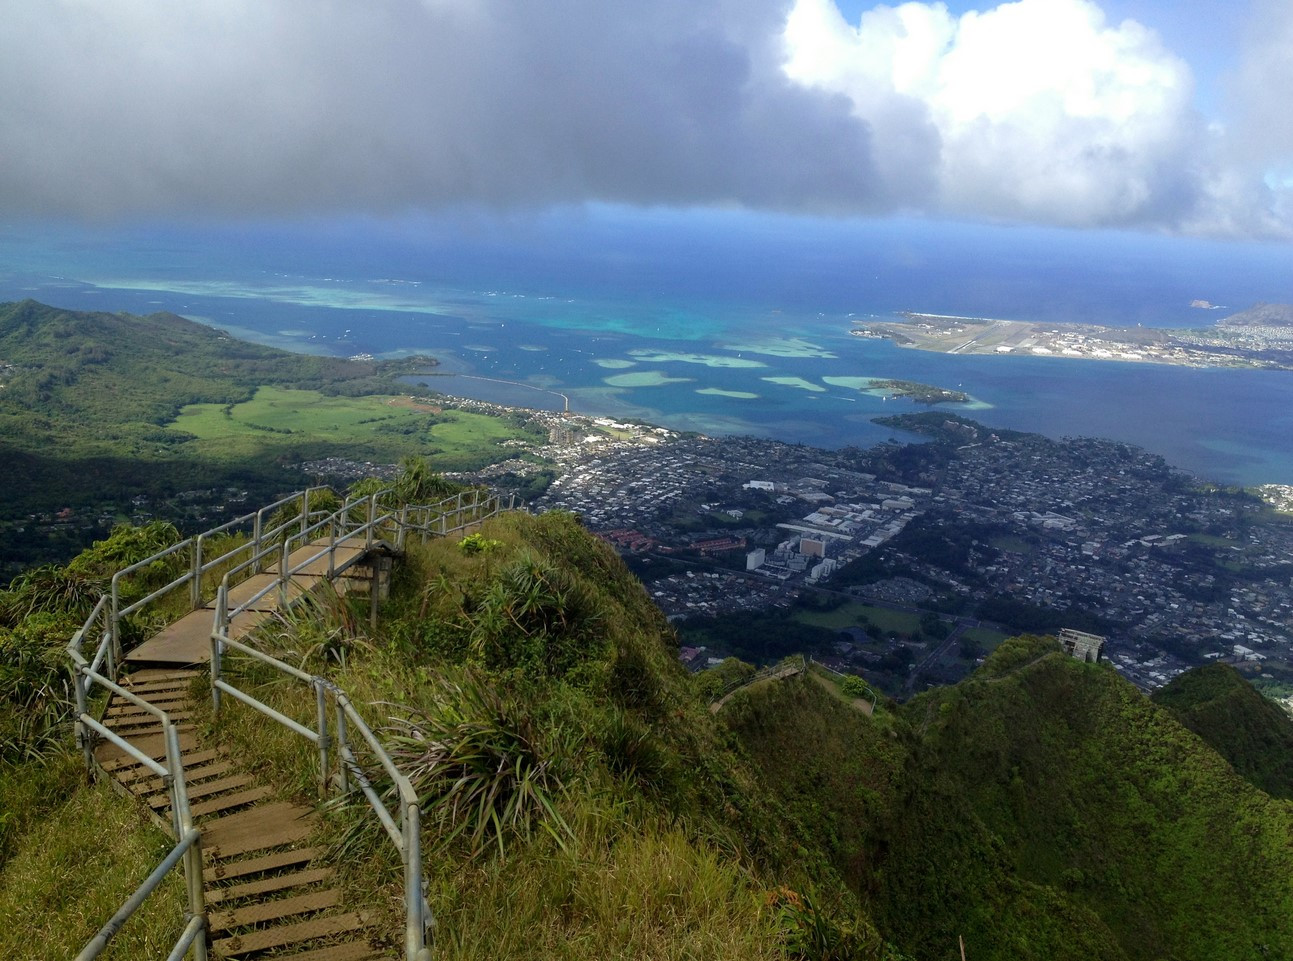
986,638
1016,545
380,426
1211,540
859,615
75,868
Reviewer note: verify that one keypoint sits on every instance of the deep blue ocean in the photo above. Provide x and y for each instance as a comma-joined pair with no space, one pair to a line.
719,322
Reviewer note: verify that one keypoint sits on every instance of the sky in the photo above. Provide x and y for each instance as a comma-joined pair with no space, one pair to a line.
1157,116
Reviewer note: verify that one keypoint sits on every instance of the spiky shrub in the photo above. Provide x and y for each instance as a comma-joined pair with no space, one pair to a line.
51,589
811,933
35,688
535,618
481,771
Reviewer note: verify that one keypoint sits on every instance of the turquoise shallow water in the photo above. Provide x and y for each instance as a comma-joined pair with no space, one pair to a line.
719,357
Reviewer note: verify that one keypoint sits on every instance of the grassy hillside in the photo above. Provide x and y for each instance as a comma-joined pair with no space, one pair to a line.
98,409
1080,785
1254,735
1044,808
581,801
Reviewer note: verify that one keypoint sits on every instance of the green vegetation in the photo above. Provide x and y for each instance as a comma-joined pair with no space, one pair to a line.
73,869
1253,734
317,425
580,800
920,393
102,408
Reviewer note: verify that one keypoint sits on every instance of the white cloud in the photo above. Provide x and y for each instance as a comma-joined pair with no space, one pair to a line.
1038,110
1041,110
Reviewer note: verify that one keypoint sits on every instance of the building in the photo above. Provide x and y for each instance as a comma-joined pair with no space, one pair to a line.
754,560
1083,646
812,547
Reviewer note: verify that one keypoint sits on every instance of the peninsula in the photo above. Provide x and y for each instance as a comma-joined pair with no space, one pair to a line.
1261,337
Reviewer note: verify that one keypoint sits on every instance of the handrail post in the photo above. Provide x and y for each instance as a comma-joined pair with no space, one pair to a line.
343,746
257,529
305,510
372,520
219,629
414,925
114,626
82,707
183,817
322,705
195,589
282,573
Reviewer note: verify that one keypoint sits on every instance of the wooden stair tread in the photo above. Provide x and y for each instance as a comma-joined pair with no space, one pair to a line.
221,921
239,799
265,826
192,777
349,951
267,862
163,703
286,934
279,882
161,798
138,771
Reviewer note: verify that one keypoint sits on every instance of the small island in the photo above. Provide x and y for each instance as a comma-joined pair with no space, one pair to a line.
920,393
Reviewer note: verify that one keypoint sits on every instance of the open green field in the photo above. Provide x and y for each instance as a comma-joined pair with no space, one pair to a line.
1211,540
365,427
1013,544
859,615
985,637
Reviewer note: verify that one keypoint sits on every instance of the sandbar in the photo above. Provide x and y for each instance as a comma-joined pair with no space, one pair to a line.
644,378
796,382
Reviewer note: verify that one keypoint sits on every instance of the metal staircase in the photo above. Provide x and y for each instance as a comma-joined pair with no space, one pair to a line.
255,888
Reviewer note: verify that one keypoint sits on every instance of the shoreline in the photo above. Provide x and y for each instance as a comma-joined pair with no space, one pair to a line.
1255,347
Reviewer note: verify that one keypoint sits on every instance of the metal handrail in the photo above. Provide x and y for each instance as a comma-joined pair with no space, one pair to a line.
467,508
870,690
404,830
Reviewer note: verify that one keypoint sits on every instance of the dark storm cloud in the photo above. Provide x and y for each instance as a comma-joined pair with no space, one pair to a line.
285,106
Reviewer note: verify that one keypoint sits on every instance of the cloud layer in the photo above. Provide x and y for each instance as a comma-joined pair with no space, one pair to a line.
1037,110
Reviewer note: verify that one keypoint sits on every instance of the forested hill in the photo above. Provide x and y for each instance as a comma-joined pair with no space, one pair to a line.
78,383
1043,808
1253,734
107,417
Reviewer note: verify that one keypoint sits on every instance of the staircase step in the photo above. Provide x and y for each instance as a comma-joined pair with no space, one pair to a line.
222,921
265,826
268,862
350,951
156,677
286,934
279,882
136,716
137,771
167,703
161,798
231,801
192,776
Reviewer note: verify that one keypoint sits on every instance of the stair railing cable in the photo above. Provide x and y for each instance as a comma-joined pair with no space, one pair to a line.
772,670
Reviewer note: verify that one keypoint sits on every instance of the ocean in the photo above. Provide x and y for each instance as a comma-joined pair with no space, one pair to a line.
719,322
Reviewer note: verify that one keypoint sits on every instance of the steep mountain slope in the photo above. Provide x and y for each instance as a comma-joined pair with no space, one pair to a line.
1254,735
1043,809
1089,790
